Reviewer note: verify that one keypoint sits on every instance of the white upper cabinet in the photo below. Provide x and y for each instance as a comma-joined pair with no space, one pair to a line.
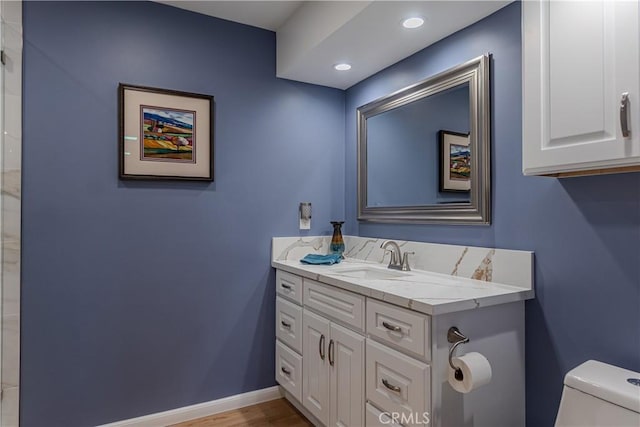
581,87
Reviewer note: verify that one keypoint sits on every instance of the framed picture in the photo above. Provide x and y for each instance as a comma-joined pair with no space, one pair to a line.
165,134
455,161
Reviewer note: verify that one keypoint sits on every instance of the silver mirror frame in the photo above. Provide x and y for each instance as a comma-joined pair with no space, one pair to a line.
478,211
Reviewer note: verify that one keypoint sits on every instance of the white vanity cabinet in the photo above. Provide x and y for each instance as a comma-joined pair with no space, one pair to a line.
581,87
367,362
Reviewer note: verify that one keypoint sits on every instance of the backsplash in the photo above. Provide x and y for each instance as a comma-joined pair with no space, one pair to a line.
504,266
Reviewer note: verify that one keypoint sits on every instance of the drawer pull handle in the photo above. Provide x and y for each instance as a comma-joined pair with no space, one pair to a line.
624,107
285,324
331,352
285,371
321,346
391,387
284,285
391,327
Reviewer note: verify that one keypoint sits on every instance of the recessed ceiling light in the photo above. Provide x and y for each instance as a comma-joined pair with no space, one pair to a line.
342,66
413,22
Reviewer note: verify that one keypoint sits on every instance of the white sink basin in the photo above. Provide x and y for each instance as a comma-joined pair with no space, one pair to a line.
370,273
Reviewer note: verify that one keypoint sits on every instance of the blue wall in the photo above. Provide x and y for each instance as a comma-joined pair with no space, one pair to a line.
585,231
404,149
139,297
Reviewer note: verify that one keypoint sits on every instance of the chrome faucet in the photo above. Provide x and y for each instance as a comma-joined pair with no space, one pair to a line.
398,261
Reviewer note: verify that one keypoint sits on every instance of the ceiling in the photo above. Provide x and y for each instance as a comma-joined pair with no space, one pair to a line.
313,36
269,15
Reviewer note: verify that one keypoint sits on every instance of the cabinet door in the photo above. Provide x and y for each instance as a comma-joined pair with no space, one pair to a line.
346,360
578,60
315,365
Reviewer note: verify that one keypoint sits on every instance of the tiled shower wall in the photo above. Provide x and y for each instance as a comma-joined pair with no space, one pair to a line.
11,12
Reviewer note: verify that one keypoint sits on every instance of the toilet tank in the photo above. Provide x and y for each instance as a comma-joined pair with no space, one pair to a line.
597,394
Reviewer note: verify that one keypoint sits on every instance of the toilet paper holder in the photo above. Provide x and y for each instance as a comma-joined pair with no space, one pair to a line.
455,337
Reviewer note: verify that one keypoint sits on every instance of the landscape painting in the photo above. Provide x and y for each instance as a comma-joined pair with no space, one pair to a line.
455,161
459,162
168,135
165,134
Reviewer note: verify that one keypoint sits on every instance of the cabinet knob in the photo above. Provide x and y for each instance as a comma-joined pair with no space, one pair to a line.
285,324
624,115
285,371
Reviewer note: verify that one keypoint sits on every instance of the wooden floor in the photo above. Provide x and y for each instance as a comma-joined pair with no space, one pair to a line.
277,412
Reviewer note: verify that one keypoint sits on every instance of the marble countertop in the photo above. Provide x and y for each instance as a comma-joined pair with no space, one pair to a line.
424,291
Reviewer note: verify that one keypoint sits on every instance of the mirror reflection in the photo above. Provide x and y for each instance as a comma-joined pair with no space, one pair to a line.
418,154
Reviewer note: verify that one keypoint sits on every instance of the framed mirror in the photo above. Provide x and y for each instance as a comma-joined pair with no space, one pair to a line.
424,151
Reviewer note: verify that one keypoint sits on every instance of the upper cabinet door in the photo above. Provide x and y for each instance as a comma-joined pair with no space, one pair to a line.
579,61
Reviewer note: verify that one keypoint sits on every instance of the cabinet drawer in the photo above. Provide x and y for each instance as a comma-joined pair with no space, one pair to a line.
289,323
289,286
397,383
376,418
289,369
405,329
338,304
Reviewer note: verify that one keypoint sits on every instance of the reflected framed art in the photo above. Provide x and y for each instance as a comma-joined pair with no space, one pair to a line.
455,161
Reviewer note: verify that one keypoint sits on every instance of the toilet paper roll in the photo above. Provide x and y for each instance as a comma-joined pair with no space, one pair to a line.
476,372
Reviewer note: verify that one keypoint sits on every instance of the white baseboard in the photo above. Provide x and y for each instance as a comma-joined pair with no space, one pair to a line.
200,410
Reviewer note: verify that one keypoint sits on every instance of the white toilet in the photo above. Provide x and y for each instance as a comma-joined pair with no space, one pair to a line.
597,394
